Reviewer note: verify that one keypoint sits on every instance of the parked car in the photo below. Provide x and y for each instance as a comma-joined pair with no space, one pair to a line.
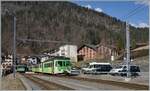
74,71
97,68
122,70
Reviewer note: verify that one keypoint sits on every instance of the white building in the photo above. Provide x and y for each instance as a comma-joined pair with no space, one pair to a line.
44,58
32,60
68,51
8,61
56,53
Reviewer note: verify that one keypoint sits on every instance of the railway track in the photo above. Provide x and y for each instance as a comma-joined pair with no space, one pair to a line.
114,83
46,85
132,86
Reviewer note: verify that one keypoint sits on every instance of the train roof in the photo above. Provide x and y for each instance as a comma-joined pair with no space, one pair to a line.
21,65
58,57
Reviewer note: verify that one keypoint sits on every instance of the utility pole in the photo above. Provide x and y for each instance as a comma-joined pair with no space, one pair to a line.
14,47
128,49
0,58
14,41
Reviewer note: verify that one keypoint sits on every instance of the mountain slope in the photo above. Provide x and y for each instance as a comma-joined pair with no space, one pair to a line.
62,21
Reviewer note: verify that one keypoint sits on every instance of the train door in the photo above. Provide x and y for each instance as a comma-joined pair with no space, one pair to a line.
53,65
58,66
42,66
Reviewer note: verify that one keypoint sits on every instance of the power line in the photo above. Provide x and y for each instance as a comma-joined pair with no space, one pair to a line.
131,13
135,12
35,40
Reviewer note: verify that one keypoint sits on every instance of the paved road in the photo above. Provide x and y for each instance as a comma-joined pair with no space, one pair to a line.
80,85
142,79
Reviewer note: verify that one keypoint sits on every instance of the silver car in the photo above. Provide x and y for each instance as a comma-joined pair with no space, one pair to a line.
74,71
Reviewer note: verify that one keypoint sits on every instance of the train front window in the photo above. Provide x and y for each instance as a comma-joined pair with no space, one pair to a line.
59,63
68,63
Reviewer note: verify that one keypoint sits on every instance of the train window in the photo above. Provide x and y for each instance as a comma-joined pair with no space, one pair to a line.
67,63
45,65
64,63
59,63
50,64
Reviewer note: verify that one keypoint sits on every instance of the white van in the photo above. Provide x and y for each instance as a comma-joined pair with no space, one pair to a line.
95,68
122,70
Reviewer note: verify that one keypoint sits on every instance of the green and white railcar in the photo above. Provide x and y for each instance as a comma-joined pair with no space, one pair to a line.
40,68
36,68
48,66
21,68
55,65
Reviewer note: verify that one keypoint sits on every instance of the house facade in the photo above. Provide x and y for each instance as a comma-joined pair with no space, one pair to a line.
105,52
90,52
87,52
23,60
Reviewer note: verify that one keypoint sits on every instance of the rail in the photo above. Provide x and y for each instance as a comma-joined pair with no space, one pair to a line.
46,85
132,86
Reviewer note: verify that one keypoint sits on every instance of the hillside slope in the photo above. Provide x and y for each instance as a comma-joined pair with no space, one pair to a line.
62,21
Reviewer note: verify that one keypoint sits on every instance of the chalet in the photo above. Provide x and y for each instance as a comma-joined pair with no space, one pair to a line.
105,52
23,60
89,52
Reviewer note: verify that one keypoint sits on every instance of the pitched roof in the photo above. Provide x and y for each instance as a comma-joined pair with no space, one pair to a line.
109,46
88,45
94,47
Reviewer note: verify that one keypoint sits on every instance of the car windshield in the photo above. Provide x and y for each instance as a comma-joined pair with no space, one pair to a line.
85,65
74,68
118,67
134,69
90,66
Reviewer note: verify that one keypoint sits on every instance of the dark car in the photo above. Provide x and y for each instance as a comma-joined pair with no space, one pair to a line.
133,71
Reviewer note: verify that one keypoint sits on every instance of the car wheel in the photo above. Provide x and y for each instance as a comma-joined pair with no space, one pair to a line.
84,72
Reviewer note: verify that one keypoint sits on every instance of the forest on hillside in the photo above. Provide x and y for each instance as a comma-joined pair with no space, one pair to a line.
62,21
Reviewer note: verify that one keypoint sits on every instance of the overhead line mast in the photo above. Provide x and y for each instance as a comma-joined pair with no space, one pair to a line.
128,61
128,49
